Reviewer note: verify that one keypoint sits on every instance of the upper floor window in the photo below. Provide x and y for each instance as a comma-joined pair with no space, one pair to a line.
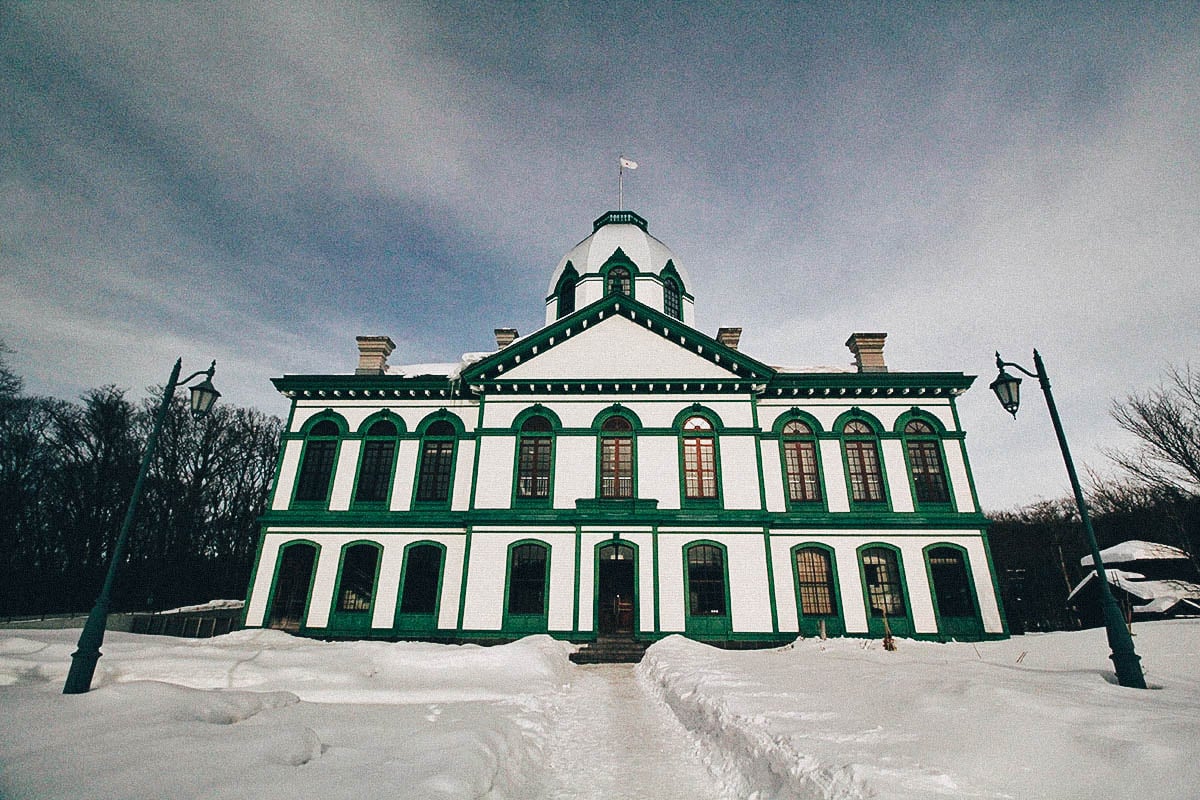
437,463
925,462
671,299
862,461
800,463
566,296
699,459
616,458
534,458
375,468
316,470
618,281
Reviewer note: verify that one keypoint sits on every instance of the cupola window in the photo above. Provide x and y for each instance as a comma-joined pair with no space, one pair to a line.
671,303
618,281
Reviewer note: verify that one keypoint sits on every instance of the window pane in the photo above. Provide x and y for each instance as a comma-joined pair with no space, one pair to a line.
533,467
816,582
358,578
618,281
382,428
291,588
433,484
422,569
883,582
527,580
375,474
929,477
699,468
706,581
566,297
616,467
671,303
866,479
325,427
950,584
800,458
317,469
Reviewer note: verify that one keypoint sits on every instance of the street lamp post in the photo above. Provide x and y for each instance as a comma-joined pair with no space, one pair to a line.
1125,659
83,660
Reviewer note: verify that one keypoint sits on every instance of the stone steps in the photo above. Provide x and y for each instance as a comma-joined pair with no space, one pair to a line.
607,650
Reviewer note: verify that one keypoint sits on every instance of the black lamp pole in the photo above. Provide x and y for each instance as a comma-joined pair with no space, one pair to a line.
1120,643
83,660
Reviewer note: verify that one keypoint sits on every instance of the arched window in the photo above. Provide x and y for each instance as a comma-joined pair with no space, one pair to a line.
800,463
814,577
618,281
316,470
706,581
671,299
699,459
375,467
881,571
527,575
437,463
534,458
422,572
951,587
566,296
616,458
925,462
289,602
357,586
862,461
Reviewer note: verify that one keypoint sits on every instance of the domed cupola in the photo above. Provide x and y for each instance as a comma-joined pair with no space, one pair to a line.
620,256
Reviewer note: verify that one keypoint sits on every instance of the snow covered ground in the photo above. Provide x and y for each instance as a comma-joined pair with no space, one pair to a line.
259,714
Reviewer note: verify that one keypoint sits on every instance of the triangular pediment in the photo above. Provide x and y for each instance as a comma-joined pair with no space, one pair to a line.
617,339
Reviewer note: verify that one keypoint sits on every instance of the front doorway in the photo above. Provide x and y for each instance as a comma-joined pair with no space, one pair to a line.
615,579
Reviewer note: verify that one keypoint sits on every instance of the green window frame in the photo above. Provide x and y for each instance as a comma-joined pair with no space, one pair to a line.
619,280
315,477
358,578
377,463
883,582
535,459
864,465
672,299
951,582
291,588
699,450
926,464
801,464
617,459
814,582
435,473
707,581
527,587
420,587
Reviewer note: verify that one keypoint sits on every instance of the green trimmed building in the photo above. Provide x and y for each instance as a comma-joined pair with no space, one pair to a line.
619,472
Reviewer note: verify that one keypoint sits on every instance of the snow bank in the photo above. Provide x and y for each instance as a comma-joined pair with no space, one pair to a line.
1032,717
265,715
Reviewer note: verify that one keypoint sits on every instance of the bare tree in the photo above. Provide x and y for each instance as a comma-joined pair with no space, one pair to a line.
1166,422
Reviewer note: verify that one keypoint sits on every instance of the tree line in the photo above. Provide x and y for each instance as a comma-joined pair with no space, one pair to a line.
67,471
1155,497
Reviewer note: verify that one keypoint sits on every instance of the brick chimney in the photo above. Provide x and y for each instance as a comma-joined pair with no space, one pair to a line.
372,354
729,337
505,337
868,351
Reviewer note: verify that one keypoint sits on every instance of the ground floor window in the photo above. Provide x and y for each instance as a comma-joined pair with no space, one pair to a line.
706,580
357,586
290,599
951,587
527,579
422,573
884,591
814,574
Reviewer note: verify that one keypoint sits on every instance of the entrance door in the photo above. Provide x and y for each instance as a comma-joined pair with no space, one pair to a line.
291,587
614,597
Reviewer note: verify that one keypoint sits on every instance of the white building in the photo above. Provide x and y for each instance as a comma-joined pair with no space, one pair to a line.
619,471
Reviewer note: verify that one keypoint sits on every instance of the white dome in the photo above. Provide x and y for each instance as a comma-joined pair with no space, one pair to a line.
627,231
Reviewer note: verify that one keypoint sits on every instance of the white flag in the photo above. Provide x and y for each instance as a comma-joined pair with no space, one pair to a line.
627,164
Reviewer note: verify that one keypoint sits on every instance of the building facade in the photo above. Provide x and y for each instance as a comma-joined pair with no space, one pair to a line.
620,472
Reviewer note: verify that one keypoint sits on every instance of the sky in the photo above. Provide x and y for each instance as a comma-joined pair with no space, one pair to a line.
260,183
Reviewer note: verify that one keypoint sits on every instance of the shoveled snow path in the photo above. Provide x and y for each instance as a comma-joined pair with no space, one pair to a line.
615,740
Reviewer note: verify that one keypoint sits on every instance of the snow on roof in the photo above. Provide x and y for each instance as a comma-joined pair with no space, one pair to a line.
1135,550
450,369
819,368
211,605
1161,596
